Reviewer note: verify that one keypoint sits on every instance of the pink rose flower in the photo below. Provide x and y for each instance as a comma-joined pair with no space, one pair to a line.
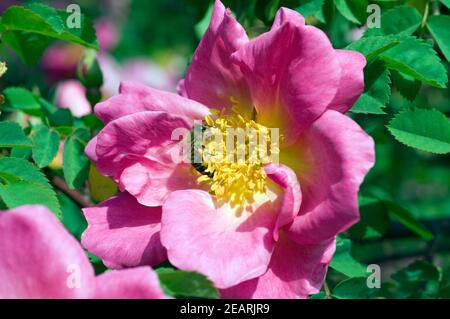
257,230
40,259
107,34
59,61
71,94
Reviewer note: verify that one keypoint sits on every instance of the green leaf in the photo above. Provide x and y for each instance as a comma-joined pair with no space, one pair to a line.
416,58
23,170
354,288
12,135
271,8
17,18
439,27
418,271
353,10
418,280
371,47
55,115
28,193
444,284
377,81
202,26
75,162
186,284
377,89
28,30
327,12
24,153
72,217
92,121
374,220
44,20
36,188
401,214
49,14
308,8
100,187
22,99
407,86
320,295
403,20
85,35
446,3
408,220
424,129
367,104
344,262
46,145
28,46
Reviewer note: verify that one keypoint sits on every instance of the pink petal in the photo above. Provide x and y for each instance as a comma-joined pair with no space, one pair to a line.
59,61
295,271
293,74
151,182
331,160
141,152
181,89
137,136
91,150
107,34
124,233
285,15
71,94
212,78
136,283
227,248
292,197
351,84
134,98
39,256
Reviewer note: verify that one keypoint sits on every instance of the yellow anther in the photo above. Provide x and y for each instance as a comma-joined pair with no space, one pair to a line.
234,172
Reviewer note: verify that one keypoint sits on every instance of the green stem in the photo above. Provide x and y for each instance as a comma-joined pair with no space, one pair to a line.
75,195
327,290
424,18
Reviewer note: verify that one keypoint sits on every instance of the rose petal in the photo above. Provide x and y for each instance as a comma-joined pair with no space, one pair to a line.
124,233
351,84
331,160
131,138
292,196
295,271
136,283
39,258
285,15
293,74
134,98
151,182
214,241
91,150
212,78
142,152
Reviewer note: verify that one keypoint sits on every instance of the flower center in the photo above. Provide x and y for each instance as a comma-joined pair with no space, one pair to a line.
230,155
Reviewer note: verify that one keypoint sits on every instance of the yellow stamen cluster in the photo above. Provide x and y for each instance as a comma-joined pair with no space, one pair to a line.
233,152
3,68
